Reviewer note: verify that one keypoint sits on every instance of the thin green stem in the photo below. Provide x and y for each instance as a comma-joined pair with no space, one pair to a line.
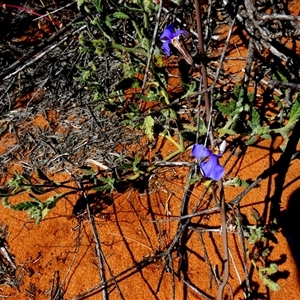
168,137
127,49
138,31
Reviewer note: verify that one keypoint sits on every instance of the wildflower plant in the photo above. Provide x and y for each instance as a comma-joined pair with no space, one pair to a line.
135,55
259,251
124,34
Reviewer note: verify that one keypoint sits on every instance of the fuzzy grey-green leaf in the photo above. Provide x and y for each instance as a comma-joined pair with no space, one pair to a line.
148,126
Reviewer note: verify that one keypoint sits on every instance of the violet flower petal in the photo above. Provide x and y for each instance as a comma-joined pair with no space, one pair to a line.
179,32
200,152
166,47
211,168
168,34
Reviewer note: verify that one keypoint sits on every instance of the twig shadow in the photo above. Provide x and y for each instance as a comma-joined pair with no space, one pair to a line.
290,225
98,202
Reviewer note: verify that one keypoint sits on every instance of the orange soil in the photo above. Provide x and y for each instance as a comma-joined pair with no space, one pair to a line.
62,243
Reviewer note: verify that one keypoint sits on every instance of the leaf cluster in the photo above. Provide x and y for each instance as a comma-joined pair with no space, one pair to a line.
241,110
36,208
259,236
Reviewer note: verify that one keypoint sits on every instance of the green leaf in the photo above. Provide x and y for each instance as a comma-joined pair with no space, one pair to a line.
48,205
80,3
266,252
237,90
36,209
148,126
255,117
135,163
190,89
251,97
108,186
5,202
278,101
35,213
280,76
223,109
236,181
252,239
44,213
88,170
120,15
263,274
28,205
98,5
295,111
256,234
52,201
148,5
271,284
251,140
108,23
227,108
223,131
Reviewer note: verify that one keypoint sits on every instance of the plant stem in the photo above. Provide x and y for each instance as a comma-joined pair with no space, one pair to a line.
225,242
208,107
202,66
127,49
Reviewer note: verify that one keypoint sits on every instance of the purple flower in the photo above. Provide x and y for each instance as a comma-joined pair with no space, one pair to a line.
210,168
170,36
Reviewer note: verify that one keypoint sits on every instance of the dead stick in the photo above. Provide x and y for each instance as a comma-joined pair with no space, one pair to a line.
97,241
201,52
225,242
